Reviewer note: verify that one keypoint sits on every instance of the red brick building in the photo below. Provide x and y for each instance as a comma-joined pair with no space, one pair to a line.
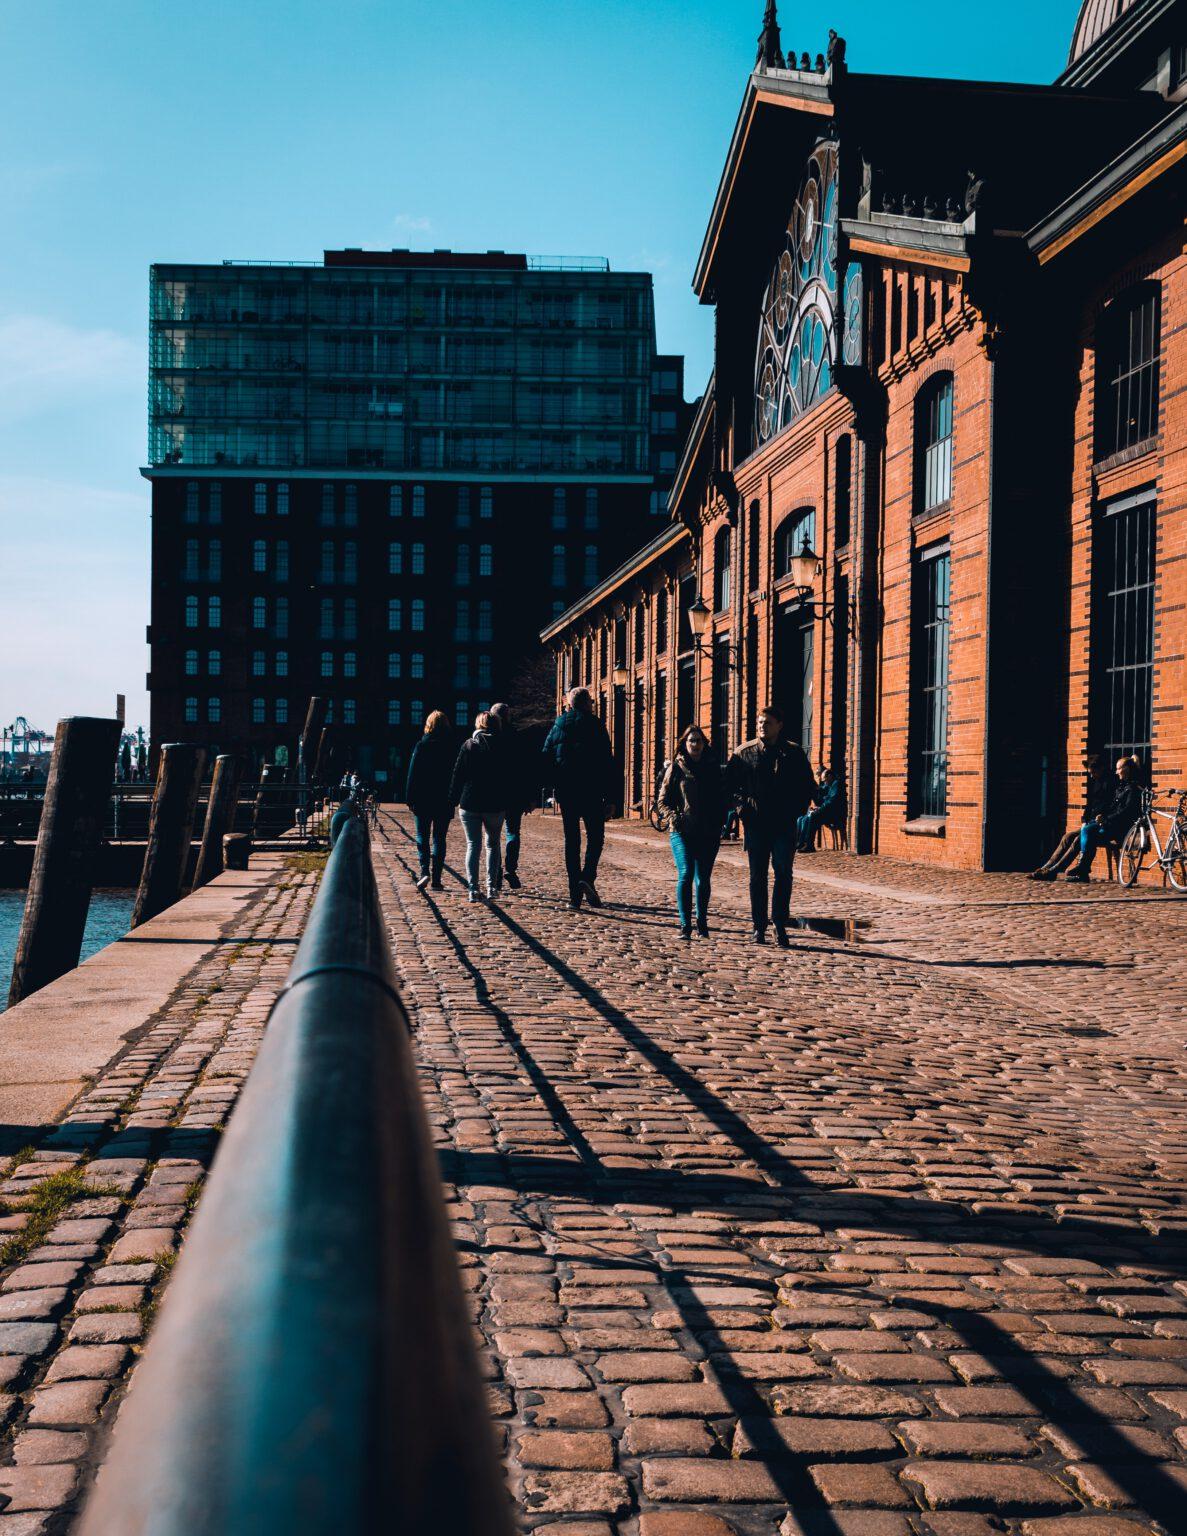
933,499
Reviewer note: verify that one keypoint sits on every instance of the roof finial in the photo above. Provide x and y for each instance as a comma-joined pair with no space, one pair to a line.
770,54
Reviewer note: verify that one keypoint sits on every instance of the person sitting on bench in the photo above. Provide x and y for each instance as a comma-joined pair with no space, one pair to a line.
1097,798
828,812
1123,810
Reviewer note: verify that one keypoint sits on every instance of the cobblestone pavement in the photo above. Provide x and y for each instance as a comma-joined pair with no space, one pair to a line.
878,1236
95,1210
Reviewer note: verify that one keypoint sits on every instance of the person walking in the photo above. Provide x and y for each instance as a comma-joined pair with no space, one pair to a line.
427,794
479,789
1097,799
1111,825
521,785
579,764
692,799
771,781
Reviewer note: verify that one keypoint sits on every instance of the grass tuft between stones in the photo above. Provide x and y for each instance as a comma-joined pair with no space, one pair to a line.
45,1204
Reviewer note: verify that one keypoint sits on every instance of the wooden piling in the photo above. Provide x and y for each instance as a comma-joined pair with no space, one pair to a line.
315,719
72,817
170,827
220,817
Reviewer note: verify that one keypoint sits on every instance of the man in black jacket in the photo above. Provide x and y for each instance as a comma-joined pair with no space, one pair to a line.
522,784
1114,822
771,780
579,763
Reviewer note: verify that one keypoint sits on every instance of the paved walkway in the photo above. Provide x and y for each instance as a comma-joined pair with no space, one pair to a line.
882,1235
94,1209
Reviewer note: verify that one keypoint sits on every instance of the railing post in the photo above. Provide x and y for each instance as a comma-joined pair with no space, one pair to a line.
170,826
72,818
220,814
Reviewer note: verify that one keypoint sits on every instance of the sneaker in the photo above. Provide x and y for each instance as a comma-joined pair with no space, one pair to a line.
421,882
574,906
590,894
759,935
474,895
435,884
686,934
781,938
492,893
513,880
1041,874
702,927
1077,875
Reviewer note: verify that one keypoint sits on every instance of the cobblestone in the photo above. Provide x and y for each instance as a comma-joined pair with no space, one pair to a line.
881,1236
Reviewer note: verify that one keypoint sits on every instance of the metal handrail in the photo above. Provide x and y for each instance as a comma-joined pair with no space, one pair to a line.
313,1370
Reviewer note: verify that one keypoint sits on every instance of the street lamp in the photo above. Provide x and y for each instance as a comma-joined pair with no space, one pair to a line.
805,568
699,614
620,677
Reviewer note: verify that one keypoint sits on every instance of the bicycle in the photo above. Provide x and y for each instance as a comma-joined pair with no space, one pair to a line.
656,815
1142,839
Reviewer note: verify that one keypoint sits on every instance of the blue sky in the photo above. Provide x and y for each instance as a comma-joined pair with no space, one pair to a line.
132,132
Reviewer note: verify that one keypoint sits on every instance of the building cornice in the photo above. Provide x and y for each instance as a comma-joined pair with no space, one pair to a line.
1152,156
898,237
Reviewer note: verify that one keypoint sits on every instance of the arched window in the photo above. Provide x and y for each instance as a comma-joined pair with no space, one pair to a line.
1128,349
395,559
558,565
327,663
214,663
797,529
191,663
259,555
721,570
282,559
327,561
933,443
350,562
418,559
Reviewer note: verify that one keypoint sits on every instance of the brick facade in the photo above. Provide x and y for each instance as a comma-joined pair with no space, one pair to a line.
998,333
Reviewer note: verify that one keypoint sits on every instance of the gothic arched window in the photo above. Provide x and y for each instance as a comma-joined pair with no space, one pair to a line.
797,346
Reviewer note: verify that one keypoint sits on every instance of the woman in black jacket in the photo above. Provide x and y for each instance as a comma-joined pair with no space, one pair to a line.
427,795
692,797
482,791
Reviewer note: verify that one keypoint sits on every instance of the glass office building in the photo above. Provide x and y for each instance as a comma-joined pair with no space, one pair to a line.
376,479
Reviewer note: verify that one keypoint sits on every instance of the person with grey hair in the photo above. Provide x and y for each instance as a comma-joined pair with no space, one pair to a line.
579,764
521,780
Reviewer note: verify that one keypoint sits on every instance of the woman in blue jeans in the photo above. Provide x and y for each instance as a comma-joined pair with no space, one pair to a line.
692,796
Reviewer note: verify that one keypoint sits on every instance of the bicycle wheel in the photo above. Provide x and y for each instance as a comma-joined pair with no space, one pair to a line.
1132,855
1175,858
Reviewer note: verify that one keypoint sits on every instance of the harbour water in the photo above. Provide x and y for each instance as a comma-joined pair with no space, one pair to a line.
107,920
